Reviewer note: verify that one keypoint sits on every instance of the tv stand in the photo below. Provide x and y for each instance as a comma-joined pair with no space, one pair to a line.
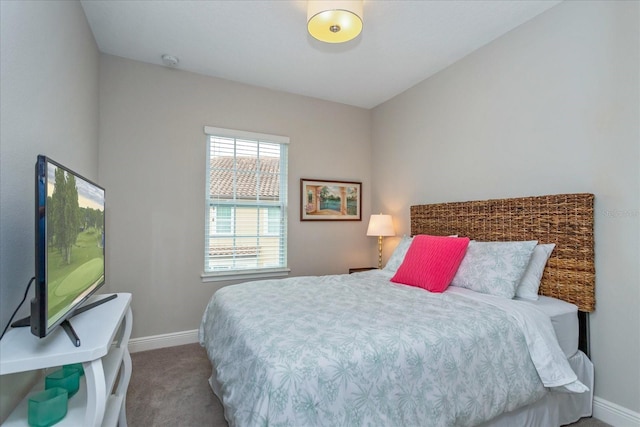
71,333
66,325
104,355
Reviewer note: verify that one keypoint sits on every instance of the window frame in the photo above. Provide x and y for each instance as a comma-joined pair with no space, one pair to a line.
281,204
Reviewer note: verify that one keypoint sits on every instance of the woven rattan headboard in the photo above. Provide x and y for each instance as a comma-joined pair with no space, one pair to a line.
563,219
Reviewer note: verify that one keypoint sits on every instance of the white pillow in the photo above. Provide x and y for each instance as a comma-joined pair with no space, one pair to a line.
494,268
530,282
398,254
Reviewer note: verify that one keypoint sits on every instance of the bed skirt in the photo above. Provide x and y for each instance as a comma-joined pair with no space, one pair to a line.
556,408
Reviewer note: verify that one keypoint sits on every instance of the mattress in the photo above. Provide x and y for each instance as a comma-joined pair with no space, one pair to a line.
564,319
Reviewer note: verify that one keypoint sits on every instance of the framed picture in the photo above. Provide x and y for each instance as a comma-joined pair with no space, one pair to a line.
322,200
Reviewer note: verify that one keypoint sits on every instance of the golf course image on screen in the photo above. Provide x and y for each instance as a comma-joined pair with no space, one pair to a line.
75,236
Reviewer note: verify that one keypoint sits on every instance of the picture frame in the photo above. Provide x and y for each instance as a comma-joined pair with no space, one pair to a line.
325,200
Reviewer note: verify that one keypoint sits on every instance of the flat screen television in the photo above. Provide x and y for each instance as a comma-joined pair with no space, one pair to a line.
69,246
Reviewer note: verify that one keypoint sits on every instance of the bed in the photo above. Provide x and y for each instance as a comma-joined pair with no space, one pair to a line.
361,349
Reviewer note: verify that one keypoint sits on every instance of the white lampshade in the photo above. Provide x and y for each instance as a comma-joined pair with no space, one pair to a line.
334,21
380,225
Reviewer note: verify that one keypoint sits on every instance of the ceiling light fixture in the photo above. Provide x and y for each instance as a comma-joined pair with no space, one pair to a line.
334,21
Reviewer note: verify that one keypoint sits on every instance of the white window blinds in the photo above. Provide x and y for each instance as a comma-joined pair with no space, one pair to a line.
246,204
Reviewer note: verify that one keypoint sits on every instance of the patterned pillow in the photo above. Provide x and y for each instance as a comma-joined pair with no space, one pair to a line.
494,268
398,254
530,282
431,262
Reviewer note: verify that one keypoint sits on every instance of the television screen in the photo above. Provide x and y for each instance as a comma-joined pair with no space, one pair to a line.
70,226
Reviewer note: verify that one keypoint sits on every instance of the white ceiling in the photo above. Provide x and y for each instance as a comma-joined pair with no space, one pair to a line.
265,43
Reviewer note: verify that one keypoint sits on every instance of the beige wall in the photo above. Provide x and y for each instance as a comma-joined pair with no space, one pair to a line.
551,107
152,163
49,105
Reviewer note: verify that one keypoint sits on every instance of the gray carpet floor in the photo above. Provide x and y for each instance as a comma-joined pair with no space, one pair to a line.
169,388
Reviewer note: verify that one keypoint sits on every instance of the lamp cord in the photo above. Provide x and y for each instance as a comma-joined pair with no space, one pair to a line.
18,307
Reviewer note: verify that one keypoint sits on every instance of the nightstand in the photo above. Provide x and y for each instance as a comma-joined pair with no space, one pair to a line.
359,269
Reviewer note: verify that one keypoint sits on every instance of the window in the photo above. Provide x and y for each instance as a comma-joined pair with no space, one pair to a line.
222,219
246,205
272,221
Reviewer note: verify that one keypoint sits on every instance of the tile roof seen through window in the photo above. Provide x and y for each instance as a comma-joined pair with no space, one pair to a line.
250,172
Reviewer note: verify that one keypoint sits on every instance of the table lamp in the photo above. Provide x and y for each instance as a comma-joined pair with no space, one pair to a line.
381,226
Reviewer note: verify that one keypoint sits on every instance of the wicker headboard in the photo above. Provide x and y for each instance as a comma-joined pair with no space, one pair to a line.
563,219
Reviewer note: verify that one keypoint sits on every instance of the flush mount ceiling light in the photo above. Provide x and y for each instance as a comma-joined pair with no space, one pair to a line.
334,21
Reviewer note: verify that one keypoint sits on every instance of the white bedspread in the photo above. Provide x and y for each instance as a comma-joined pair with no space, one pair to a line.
359,350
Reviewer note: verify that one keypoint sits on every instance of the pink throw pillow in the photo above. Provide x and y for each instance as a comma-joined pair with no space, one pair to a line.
431,262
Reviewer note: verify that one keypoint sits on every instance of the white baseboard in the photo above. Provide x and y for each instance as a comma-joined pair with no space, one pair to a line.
161,341
603,410
613,414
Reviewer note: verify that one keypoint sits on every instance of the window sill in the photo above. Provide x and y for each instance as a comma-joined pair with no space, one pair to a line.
266,273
